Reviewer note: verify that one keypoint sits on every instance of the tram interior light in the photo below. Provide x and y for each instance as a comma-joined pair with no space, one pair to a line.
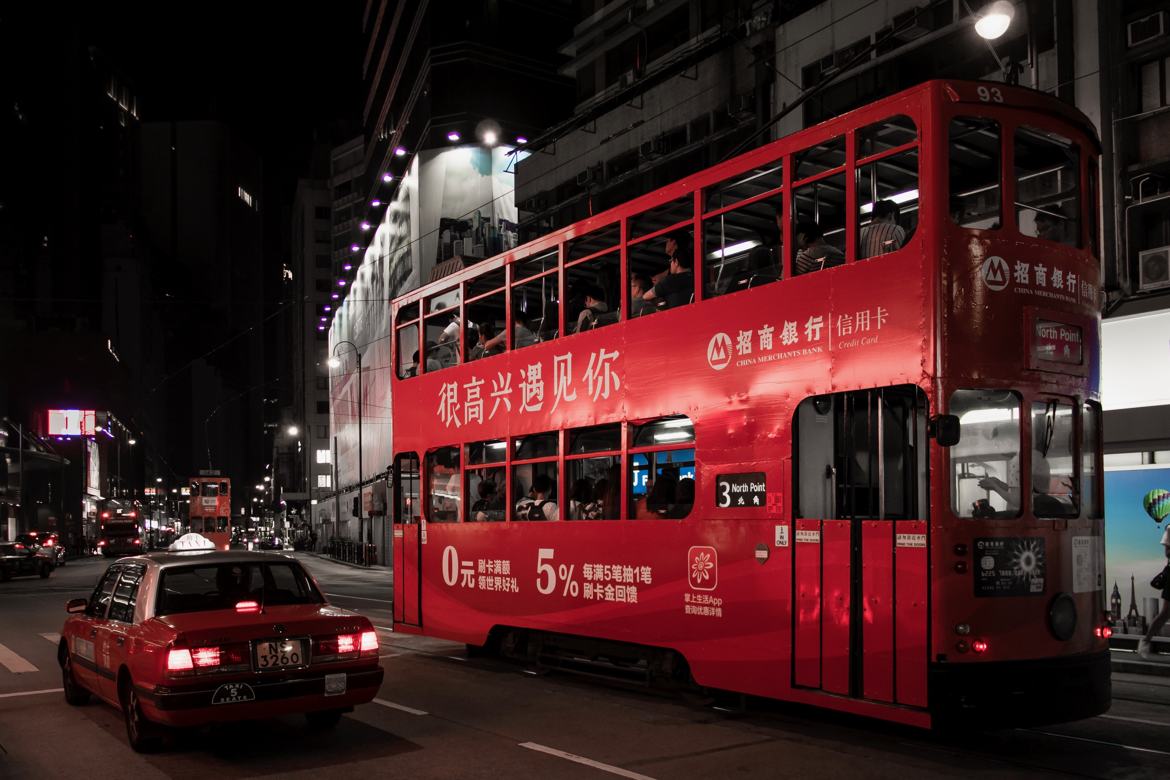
453,136
897,197
375,203
387,178
399,151
672,436
994,19
733,249
490,138
521,140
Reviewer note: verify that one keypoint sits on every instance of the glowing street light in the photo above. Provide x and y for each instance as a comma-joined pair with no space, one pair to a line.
293,430
994,19
158,480
334,363
453,136
132,442
399,151
387,178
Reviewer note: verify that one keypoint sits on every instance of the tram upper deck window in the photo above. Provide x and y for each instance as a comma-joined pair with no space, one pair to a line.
985,464
210,489
535,310
661,272
443,485
593,293
442,328
887,186
1048,186
407,336
1054,489
741,248
975,172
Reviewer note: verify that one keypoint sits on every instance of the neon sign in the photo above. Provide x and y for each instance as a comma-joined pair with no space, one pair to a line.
72,422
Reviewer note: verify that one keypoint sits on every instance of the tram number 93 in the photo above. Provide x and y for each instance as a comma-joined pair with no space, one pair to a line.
989,94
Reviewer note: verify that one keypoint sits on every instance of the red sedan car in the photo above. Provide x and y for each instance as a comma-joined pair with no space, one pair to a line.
186,638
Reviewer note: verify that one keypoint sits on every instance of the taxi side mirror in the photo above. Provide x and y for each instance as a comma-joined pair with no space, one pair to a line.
74,606
945,429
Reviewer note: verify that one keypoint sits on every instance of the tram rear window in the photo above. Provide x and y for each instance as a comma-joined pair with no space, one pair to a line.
1048,186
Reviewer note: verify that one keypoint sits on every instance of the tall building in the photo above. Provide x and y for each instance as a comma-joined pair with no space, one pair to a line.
452,89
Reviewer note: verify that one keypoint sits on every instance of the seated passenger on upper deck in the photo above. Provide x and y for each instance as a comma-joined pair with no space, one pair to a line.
813,253
1052,225
595,305
678,285
639,285
883,234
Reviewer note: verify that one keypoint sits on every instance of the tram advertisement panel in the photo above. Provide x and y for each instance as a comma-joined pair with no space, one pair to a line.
1009,566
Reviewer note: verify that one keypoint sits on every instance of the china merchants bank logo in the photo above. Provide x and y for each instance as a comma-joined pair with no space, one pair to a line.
719,351
995,273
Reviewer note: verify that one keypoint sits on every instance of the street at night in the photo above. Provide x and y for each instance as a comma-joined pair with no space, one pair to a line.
652,388
443,714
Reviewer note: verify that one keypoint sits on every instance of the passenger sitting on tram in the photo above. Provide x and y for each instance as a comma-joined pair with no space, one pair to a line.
490,504
580,499
659,499
813,252
1052,224
639,284
684,500
522,334
537,505
489,342
883,234
595,306
678,286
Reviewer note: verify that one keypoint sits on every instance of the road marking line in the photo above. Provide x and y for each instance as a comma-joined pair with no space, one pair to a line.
1103,742
360,598
401,707
613,770
14,662
391,655
1135,720
54,638
383,628
457,658
30,693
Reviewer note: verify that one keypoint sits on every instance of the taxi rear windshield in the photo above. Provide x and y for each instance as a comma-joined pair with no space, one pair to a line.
205,587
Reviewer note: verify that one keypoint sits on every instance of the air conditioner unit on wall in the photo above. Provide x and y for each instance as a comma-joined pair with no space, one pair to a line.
1154,268
1146,29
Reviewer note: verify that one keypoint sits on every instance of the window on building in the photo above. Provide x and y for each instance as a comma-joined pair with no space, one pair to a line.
1154,84
322,383
322,285
322,407
321,212
662,469
325,456
985,464
444,491
323,261
324,480
322,431
1048,186
974,172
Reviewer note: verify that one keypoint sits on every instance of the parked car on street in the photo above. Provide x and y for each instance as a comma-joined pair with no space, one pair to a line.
50,541
20,559
196,635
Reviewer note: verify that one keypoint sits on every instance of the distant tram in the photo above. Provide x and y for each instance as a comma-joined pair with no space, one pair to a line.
210,511
820,423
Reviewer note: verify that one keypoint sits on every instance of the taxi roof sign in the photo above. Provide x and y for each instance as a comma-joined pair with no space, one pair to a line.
192,543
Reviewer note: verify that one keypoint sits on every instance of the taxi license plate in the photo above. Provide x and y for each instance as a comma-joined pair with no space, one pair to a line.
280,654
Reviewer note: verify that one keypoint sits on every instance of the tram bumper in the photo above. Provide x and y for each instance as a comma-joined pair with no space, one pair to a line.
1006,694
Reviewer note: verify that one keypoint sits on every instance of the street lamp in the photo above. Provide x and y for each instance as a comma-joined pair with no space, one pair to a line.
293,430
334,362
994,19
266,479
132,441
158,480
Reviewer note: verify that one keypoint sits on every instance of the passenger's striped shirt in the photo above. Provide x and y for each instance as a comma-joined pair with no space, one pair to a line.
878,238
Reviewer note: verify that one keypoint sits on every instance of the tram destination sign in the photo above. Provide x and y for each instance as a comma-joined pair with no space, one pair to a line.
736,490
1009,566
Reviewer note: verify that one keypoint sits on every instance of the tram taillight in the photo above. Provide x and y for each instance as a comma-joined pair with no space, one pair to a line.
1103,632
979,646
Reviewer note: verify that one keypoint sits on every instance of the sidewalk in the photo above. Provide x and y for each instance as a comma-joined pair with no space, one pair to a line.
358,566
1124,657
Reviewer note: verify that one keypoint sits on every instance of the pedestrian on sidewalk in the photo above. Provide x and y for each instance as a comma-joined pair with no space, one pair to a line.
1144,644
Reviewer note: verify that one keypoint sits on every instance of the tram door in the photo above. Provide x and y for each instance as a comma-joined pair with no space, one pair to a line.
407,549
860,576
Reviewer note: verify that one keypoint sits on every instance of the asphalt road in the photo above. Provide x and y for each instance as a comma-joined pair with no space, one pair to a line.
441,714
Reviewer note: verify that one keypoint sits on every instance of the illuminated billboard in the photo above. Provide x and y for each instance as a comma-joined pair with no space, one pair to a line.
72,422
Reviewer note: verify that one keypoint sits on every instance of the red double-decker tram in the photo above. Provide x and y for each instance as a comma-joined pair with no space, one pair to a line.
819,423
210,508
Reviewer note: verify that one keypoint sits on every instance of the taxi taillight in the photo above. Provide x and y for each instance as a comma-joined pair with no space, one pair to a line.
221,658
179,660
347,646
369,643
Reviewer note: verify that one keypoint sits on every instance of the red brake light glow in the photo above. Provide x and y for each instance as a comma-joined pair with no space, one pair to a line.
979,646
345,643
247,607
1104,632
102,543
205,656
369,641
48,543
179,660
19,546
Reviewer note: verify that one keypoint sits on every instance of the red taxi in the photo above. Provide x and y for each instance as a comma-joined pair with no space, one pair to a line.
194,636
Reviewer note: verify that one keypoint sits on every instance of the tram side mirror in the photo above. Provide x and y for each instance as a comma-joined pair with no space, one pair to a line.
74,606
945,429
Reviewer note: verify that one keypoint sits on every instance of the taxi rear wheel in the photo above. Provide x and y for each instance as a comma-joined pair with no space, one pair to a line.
143,735
322,721
74,693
